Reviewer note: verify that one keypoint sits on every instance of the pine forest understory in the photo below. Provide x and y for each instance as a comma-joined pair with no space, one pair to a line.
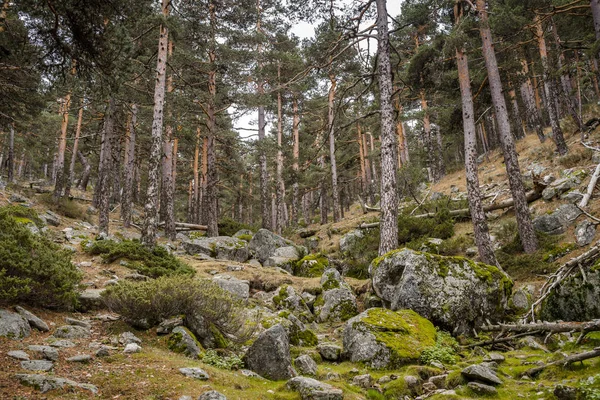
316,200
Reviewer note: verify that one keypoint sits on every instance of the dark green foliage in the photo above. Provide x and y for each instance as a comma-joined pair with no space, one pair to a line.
362,252
228,227
153,263
410,228
23,215
455,246
444,351
32,268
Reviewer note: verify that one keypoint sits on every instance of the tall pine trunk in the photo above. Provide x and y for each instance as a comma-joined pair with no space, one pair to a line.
296,163
151,207
62,147
11,154
129,168
195,202
525,227
71,175
87,170
532,113
169,160
389,156
105,179
280,191
330,124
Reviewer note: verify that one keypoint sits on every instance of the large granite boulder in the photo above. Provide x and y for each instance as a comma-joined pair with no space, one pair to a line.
577,298
183,341
558,221
454,293
349,239
264,243
335,305
238,287
220,247
13,325
383,338
312,389
269,356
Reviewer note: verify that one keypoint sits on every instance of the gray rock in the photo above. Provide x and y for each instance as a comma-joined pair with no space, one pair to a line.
13,326
305,365
34,321
532,343
383,338
80,358
332,279
60,343
77,322
269,355
495,357
45,383
202,330
288,299
384,379
17,198
481,373
183,341
522,299
285,263
136,277
103,351
298,333
363,381
18,354
574,196
482,389
254,263
312,389
132,348
237,287
585,233
243,232
336,305
264,243
37,365
167,326
250,374
195,373
548,193
308,298
563,392
50,218
439,381
45,352
558,221
290,252
412,382
349,239
127,337
454,293
329,351
220,247
90,300
71,332
212,395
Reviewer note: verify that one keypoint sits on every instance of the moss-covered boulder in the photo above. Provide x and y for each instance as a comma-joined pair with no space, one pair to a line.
311,266
575,299
337,302
264,243
454,293
184,341
221,247
286,298
383,338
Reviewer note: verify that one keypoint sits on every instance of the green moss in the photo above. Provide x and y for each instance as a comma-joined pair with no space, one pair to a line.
330,282
247,238
346,310
312,265
220,341
305,338
281,296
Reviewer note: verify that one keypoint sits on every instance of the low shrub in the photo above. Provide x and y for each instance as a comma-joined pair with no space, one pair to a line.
65,207
455,246
228,362
228,227
157,299
33,269
153,262
444,350
362,251
440,226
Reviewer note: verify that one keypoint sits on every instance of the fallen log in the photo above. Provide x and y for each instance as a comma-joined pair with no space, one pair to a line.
368,226
187,225
590,189
502,339
532,372
554,327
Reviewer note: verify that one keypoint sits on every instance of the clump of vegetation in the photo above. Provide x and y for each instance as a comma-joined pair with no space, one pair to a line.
590,388
153,262
455,246
65,207
575,158
312,265
158,299
444,350
228,227
362,251
33,269
440,226
228,362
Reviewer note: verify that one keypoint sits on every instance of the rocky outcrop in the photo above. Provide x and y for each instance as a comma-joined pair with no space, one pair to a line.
13,326
383,338
220,247
269,356
264,243
183,341
454,293
34,321
239,288
337,302
558,221
45,383
312,389
306,365
287,299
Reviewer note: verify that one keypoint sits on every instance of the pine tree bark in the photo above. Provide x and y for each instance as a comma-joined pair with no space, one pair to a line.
532,113
105,179
517,121
129,167
59,184
525,227
195,202
168,167
330,124
202,202
87,170
11,155
389,148
296,162
595,5
361,157
480,226
280,192
550,90
151,207
71,175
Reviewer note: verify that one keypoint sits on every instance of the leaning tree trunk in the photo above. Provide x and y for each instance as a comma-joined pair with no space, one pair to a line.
296,164
129,168
550,90
480,226
71,175
151,207
105,179
334,175
59,184
389,156
525,227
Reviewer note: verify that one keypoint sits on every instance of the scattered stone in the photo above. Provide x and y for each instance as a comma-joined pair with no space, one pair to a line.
77,322
136,277
212,395
439,381
254,263
219,247
548,193
522,299
336,305
306,365
103,351
298,333
50,218
455,293
13,326
195,373
288,299
269,355
532,343
167,326
495,357
329,351
90,300
332,376
558,221
585,233
384,379
18,354
482,389
132,348
383,338
574,196
412,382
34,321
60,343
363,381
45,383
45,352
481,373
250,374
81,358
126,338
71,332
312,389
85,264
429,387
563,392
235,268
237,287
349,239
183,341
37,365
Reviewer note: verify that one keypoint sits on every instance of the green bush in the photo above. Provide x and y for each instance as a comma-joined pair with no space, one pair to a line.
410,228
361,253
444,350
155,300
590,388
33,269
153,262
228,227
455,246
228,362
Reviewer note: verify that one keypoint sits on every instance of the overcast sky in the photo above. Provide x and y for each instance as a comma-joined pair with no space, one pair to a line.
248,122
